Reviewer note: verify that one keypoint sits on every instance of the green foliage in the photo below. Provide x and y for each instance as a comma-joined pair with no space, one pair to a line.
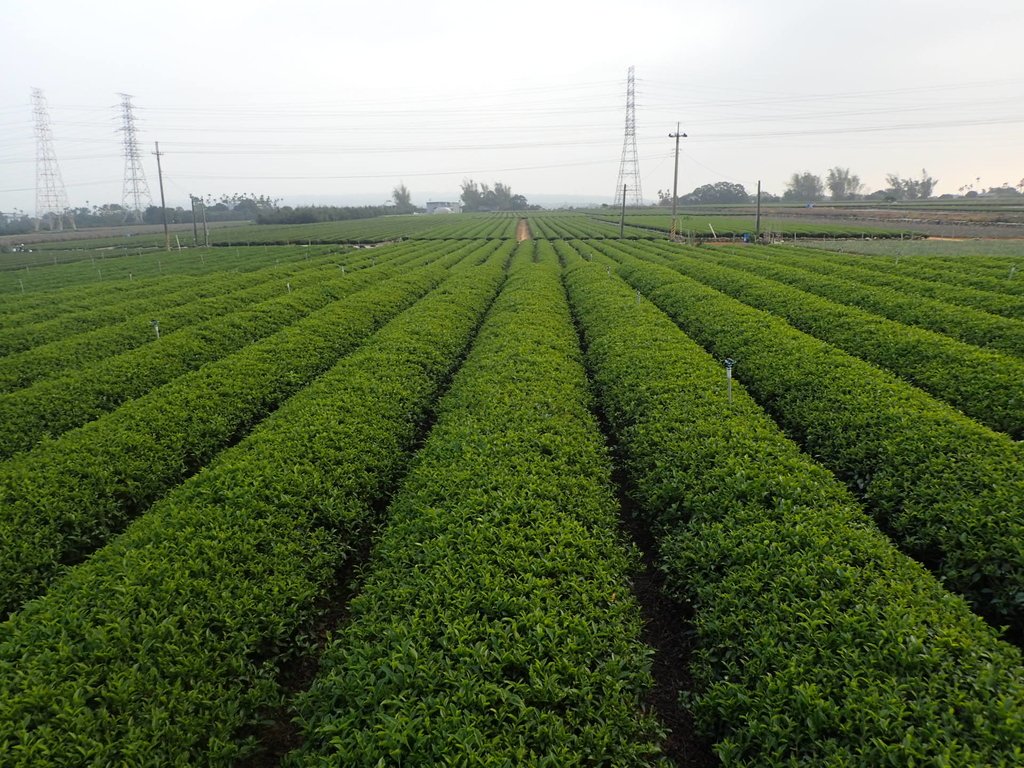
65,497
819,643
897,298
721,192
985,385
217,296
164,648
496,626
972,282
910,188
53,406
947,489
481,197
804,187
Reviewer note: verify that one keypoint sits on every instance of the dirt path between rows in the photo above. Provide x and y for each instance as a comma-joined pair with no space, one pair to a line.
522,230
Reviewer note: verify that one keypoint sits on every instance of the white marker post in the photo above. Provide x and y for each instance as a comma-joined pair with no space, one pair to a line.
289,287
729,363
156,327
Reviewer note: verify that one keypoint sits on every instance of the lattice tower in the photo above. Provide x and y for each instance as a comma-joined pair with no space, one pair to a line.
136,197
629,166
51,197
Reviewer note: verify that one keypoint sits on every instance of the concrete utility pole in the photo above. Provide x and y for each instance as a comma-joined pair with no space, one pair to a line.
206,228
757,221
195,224
622,216
675,180
163,205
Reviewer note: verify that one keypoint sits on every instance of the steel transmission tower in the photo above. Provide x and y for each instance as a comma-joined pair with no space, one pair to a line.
628,187
136,197
51,197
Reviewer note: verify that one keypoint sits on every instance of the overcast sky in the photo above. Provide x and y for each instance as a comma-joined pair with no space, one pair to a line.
331,101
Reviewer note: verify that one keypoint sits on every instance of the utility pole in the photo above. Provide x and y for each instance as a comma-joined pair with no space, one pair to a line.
195,224
163,204
675,180
757,221
622,216
206,229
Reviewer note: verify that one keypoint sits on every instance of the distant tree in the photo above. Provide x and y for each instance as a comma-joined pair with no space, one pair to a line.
721,192
472,197
910,188
805,187
403,199
842,184
481,197
1004,191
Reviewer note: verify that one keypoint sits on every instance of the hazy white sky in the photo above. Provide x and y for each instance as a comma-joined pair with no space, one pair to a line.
308,100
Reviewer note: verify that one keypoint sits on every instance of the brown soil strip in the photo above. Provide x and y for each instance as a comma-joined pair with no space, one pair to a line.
522,230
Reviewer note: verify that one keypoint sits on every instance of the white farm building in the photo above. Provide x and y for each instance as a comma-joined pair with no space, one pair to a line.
443,207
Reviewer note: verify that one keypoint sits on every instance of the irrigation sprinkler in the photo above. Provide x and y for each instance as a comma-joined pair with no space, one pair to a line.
608,270
638,297
22,284
1013,271
156,327
130,276
289,287
729,363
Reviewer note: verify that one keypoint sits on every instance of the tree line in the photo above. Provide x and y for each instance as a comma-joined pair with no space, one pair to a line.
840,183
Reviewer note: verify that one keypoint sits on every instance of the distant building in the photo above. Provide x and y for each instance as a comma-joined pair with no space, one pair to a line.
443,207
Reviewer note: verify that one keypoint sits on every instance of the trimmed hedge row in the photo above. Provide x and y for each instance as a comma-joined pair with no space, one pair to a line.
53,406
75,351
948,490
496,625
953,292
21,337
985,385
972,326
64,498
165,647
959,272
820,644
